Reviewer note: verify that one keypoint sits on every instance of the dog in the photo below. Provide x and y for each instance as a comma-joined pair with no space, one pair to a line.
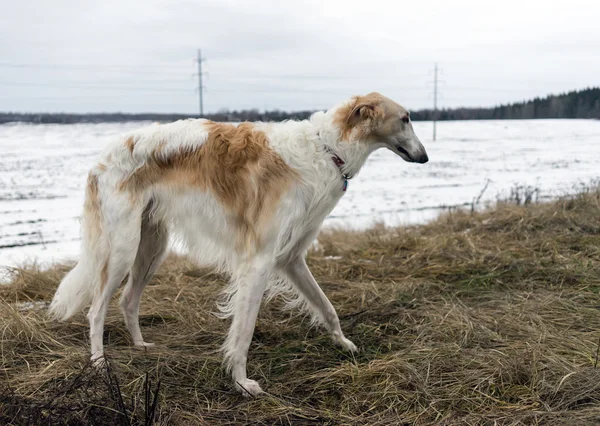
248,199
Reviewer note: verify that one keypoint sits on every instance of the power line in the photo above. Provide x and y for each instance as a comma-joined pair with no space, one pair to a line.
157,71
274,90
93,86
87,66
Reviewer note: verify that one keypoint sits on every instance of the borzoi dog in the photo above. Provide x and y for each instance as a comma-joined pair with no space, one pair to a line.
248,199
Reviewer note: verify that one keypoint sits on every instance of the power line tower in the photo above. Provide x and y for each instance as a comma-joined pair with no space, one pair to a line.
200,86
435,94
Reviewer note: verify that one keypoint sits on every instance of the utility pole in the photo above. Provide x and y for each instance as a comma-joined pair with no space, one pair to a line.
435,93
200,87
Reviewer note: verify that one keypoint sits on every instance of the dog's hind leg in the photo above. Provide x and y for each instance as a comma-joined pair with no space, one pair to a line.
122,222
151,253
298,272
251,281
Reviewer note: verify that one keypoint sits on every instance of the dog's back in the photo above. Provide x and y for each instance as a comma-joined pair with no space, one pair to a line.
218,183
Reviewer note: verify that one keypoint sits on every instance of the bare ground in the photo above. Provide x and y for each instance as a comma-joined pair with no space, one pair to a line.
477,318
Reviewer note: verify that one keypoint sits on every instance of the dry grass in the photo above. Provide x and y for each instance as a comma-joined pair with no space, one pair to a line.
477,318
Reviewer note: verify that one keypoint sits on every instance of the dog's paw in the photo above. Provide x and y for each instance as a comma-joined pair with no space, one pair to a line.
347,345
248,388
143,344
99,362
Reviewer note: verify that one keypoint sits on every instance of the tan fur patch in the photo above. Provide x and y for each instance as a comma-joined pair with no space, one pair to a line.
236,164
91,208
130,144
92,215
366,116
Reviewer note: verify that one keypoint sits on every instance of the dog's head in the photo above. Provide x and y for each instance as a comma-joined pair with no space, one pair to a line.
375,119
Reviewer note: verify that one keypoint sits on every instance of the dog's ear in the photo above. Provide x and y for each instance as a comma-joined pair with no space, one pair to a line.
360,117
365,111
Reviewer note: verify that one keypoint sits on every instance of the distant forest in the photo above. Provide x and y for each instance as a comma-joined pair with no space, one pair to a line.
576,104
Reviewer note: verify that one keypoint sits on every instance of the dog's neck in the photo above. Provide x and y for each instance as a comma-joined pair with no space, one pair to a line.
353,154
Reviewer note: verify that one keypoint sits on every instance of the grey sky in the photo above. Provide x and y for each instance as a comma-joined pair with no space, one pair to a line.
136,56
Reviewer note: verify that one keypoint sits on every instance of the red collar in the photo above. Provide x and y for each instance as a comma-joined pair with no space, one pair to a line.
339,163
337,160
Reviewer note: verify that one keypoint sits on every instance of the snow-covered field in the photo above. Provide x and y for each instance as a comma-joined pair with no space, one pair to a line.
43,171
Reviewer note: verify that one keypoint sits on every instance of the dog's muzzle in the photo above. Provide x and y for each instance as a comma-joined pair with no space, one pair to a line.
418,155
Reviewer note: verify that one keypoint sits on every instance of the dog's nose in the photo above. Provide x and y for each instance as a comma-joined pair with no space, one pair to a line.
422,159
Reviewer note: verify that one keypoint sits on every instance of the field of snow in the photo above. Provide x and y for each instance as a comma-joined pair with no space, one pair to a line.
43,170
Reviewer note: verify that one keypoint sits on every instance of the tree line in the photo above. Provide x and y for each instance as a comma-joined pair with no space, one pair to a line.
575,104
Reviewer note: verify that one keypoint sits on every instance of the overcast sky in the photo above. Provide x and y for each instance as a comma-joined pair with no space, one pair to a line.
139,56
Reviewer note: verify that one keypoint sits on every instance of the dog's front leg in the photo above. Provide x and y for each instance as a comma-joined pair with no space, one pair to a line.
251,281
298,272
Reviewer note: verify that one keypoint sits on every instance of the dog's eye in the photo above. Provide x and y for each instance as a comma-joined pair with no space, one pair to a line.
405,119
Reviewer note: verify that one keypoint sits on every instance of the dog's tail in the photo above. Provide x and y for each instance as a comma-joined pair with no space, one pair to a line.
73,293
79,286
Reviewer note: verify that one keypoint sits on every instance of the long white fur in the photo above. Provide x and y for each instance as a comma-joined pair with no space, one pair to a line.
197,219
